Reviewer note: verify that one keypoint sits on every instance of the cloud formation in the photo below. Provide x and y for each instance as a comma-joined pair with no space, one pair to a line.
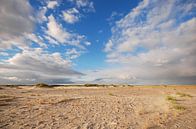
52,4
25,56
36,65
59,35
154,43
73,53
71,16
16,18
56,31
86,5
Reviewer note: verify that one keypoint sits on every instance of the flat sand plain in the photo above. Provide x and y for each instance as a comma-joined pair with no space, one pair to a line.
133,107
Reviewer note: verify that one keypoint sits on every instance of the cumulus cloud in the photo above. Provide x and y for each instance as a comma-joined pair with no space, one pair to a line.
113,17
86,5
72,53
17,23
56,31
36,65
71,15
108,46
36,39
15,17
41,17
155,42
51,40
52,4
62,36
87,43
4,54
26,58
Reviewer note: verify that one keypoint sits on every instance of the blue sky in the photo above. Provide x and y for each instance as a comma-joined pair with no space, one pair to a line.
97,30
98,41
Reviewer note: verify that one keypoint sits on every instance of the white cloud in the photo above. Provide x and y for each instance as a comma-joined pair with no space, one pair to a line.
52,4
13,41
108,46
17,23
15,17
153,43
34,38
51,40
29,63
4,54
56,31
35,65
12,78
86,5
113,17
71,15
42,15
72,53
87,43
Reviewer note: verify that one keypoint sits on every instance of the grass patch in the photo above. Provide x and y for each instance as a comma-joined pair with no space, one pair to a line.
35,95
65,100
91,85
179,107
43,85
5,96
165,86
176,106
171,99
111,94
183,94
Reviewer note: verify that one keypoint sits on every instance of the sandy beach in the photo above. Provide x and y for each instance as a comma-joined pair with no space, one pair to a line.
133,107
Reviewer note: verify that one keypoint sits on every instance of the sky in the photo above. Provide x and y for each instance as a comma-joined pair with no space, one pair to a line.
98,41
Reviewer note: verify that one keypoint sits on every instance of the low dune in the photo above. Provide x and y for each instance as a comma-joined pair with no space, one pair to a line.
129,107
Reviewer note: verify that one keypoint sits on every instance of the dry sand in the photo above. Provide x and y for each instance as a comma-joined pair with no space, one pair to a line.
98,107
